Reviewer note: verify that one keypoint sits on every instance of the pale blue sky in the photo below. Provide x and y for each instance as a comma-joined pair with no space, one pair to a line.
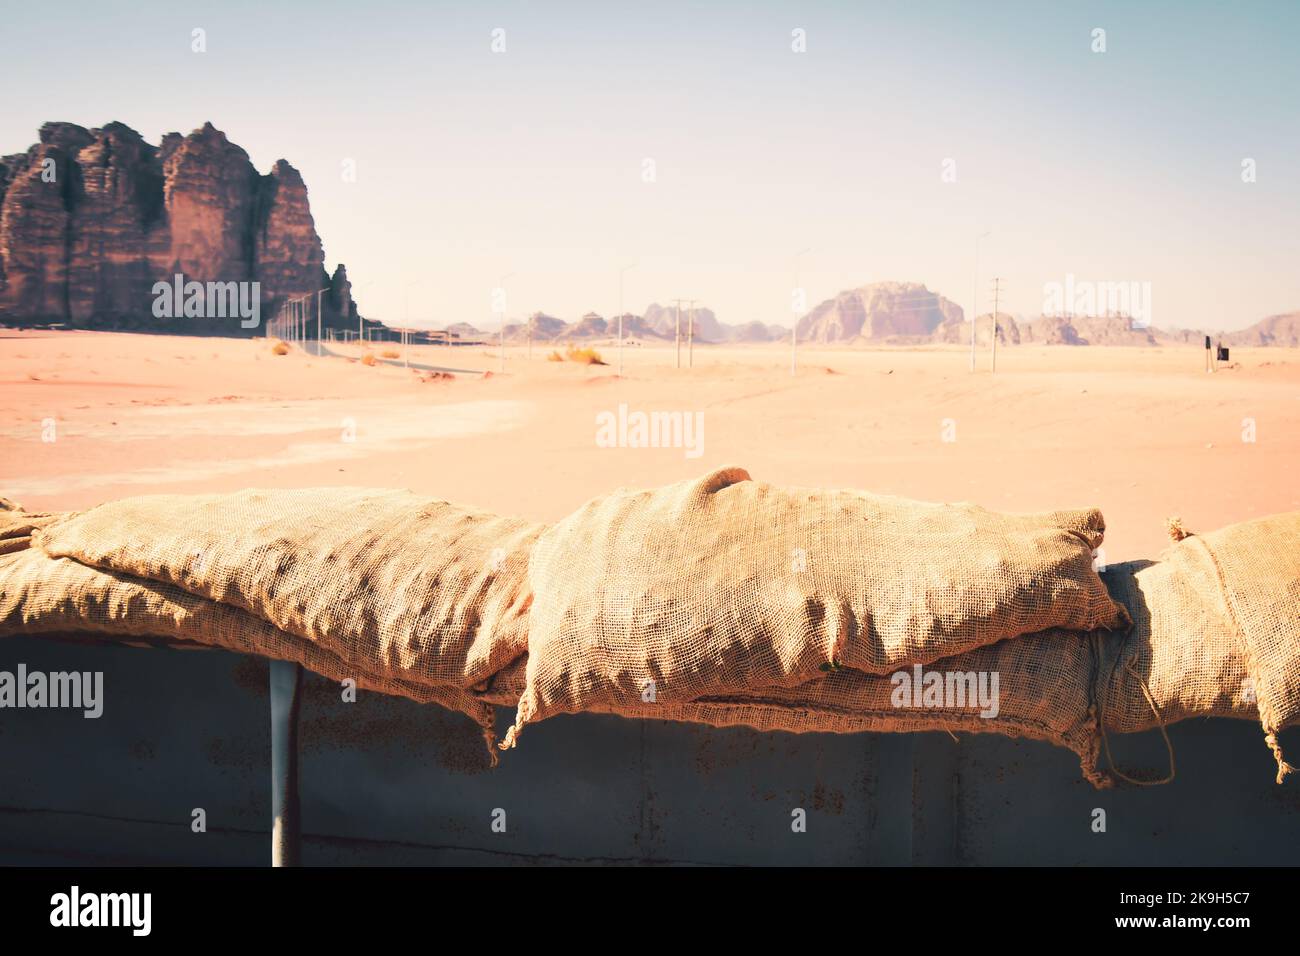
1123,165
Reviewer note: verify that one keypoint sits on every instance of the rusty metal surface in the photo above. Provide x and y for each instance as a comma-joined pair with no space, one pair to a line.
386,781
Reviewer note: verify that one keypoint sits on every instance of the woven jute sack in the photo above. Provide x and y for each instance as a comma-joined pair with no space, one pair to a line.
1216,632
722,583
59,597
1039,686
17,525
397,586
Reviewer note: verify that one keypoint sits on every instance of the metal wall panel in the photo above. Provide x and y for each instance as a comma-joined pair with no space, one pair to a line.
386,781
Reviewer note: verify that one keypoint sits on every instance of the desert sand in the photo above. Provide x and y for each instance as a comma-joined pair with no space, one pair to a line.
1143,434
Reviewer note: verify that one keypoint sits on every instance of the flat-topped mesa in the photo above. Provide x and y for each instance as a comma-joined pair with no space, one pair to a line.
879,312
92,219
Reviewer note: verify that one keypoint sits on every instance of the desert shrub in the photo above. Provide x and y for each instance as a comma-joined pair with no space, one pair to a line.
368,358
390,354
555,357
587,356
279,348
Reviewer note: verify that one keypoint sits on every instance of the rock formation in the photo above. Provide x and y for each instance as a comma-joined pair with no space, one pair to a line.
589,326
755,332
1282,330
956,331
663,319
878,313
91,219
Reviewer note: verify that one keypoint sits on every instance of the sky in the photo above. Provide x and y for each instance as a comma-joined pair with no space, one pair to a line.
692,143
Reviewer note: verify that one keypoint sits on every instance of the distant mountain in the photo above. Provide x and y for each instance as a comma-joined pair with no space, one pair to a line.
1281,330
1050,330
663,319
657,325
956,331
636,327
1086,330
1180,336
590,326
751,332
878,313
892,313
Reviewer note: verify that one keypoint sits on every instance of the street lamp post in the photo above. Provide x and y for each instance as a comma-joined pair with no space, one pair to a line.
621,273
794,329
502,286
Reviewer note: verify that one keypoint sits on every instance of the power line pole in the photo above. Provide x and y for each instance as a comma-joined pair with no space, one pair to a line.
975,300
319,350
679,333
997,288
621,273
502,286
796,291
690,337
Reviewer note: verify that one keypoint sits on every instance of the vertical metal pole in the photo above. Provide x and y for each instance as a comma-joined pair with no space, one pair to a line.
678,313
502,286
975,299
975,304
286,697
994,364
690,337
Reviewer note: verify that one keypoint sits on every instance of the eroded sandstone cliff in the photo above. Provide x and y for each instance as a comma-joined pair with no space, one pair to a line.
91,219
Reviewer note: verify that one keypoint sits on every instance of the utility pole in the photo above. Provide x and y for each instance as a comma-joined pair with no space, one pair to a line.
621,272
690,337
794,328
997,288
502,287
318,310
975,299
679,333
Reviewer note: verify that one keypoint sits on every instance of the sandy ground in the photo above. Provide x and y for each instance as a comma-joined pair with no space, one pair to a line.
1141,433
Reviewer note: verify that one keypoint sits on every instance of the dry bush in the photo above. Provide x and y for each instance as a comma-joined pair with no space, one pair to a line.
390,354
368,358
587,356
279,348
555,357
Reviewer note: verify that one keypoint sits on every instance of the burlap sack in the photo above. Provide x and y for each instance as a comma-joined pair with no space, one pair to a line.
45,596
1043,692
396,586
17,525
720,584
1216,632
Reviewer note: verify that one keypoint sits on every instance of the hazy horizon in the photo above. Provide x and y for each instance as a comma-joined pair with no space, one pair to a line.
472,165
